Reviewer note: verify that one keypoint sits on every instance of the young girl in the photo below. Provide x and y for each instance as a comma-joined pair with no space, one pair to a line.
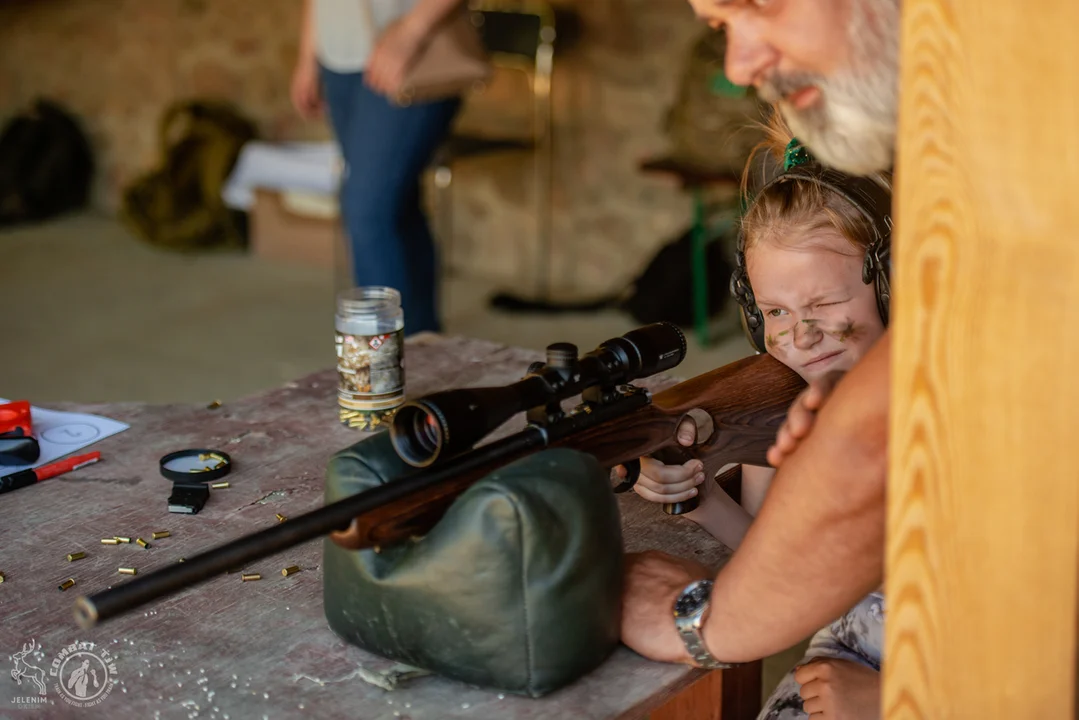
804,248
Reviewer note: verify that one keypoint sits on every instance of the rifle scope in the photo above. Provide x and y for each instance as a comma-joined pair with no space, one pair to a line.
445,424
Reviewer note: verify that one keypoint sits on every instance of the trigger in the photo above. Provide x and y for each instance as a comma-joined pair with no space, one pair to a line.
633,471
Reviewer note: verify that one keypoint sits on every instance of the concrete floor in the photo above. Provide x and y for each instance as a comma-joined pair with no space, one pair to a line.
91,314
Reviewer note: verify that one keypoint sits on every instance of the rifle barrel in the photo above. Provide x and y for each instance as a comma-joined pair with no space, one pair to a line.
337,516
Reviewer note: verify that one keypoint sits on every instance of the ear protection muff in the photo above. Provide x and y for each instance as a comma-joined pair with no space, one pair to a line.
869,198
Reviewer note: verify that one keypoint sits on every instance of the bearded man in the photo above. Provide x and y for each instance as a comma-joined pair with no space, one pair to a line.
817,545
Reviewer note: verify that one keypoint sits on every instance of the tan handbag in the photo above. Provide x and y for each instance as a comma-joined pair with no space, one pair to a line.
453,62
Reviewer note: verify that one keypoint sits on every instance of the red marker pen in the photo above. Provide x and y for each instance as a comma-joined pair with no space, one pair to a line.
21,479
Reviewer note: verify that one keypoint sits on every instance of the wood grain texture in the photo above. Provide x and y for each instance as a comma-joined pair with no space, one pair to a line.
263,648
983,501
733,694
703,700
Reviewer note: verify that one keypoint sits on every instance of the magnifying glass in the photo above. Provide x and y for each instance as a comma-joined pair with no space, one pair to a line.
190,472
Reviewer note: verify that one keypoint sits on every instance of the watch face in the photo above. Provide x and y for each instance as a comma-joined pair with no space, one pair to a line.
692,599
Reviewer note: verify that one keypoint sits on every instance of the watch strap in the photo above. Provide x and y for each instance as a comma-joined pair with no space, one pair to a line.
690,628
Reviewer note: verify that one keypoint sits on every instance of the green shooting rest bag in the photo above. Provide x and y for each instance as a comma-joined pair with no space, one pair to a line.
518,588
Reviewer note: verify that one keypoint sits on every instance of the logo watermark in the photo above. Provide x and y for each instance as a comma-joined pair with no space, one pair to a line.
81,674
85,675
33,677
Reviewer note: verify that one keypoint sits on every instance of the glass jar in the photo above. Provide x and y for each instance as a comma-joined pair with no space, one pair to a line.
369,334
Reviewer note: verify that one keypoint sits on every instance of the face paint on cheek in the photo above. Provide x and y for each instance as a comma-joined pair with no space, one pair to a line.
780,341
847,330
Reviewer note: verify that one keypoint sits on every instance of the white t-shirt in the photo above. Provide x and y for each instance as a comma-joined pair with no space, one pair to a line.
343,35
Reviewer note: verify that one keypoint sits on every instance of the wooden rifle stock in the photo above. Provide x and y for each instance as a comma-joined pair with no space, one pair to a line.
737,409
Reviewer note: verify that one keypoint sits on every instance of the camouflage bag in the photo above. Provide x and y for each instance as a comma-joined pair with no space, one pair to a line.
178,205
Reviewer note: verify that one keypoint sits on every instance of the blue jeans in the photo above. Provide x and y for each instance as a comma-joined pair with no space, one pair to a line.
386,149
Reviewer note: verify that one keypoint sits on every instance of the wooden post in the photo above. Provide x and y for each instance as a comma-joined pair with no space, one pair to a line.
983,508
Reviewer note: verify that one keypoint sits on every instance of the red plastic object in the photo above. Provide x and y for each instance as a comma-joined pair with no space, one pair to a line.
15,418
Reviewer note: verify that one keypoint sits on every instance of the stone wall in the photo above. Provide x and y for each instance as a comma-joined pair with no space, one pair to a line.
119,63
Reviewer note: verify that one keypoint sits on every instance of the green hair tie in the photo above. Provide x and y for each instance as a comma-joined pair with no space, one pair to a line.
795,155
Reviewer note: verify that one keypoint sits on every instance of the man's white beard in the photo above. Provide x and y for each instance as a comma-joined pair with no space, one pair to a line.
843,136
854,128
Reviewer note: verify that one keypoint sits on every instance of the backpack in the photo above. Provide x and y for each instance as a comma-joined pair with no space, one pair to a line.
178,205
663,291
46,165
712,125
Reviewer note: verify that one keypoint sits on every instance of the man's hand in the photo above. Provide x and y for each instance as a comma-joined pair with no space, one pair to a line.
661,483
801,416
653,581
839,690
396,51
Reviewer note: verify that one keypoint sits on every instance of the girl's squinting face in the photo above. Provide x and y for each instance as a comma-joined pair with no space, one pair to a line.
818,314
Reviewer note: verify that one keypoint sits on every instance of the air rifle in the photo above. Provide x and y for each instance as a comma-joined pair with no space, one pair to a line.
737,408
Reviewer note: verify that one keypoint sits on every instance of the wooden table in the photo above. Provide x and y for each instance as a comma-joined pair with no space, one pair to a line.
236,649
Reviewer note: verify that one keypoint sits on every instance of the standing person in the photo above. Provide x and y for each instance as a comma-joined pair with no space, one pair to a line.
817,545
354,56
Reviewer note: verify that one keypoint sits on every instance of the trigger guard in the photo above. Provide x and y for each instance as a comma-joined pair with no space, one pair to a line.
633,471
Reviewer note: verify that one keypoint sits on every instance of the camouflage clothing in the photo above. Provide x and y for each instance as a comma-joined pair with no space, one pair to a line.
858,637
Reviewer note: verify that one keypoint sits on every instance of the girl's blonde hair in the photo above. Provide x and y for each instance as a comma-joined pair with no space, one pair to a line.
785,212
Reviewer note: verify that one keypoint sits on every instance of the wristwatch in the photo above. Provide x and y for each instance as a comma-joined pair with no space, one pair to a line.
689,611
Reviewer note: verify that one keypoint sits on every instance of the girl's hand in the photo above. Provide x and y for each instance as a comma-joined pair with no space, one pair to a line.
839,690
394,54
661,483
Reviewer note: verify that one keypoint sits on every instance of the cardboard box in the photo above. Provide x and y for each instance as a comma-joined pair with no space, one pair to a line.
297,228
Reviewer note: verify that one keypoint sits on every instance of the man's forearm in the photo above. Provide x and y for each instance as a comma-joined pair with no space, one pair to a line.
817,545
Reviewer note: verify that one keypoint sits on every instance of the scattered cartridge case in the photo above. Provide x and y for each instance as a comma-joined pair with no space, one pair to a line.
127,571
281,518
250,576
110,541
1,577
290,570
142,542
72,557
220,485
158,534
123,539
69,583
